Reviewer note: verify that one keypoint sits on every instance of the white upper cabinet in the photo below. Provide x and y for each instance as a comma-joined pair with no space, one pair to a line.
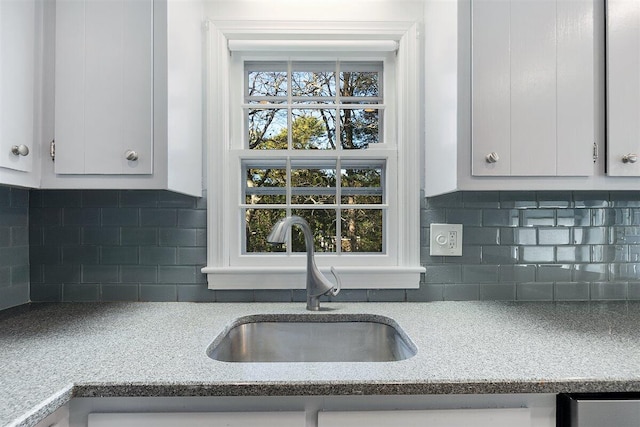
17,84
623,87
125,106
532,93
104,87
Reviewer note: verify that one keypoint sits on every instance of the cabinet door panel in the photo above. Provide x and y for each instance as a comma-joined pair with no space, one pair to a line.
199,419
433,418
491,88
69,86
576,105
104,89
533,87
17,80
623,86
104,82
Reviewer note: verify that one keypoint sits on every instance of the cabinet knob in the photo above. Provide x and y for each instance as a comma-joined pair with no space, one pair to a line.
131,155
20,150
630,158
492,157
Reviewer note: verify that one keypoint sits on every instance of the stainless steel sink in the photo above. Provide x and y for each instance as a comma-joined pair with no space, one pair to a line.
312,338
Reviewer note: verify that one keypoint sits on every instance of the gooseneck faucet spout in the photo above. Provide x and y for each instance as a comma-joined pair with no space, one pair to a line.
317,283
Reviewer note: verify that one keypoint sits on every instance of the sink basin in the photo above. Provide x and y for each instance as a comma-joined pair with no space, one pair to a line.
312,338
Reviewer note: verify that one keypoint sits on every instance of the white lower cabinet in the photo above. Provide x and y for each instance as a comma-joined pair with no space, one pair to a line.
60,418
433,418
199,419
491,410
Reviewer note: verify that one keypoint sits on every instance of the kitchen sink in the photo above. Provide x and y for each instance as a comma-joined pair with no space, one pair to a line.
312,338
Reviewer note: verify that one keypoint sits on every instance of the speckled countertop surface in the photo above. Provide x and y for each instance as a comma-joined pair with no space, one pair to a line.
50,353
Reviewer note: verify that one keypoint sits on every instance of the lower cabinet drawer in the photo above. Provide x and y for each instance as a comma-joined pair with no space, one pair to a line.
432,418
198,419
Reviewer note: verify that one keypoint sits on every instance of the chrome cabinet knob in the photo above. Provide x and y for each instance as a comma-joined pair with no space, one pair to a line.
20,150
131,155
492,157
630,158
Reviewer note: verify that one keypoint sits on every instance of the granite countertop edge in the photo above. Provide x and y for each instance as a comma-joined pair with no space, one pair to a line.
352,388
80,390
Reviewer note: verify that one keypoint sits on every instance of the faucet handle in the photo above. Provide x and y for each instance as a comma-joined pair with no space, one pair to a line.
336,289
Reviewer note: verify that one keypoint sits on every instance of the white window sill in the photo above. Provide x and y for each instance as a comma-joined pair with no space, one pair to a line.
294,277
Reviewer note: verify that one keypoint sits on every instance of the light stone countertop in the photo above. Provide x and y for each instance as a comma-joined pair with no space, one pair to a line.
50,353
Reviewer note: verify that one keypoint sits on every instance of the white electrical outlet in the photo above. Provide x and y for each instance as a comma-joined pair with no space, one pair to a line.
446,240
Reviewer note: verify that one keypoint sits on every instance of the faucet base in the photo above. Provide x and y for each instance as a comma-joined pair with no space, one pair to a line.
313,304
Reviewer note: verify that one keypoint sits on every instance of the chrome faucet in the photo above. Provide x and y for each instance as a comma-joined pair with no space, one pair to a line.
317,283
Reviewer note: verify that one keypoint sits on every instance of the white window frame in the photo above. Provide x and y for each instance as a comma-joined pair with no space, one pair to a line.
399,267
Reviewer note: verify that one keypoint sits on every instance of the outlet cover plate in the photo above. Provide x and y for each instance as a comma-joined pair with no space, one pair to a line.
445,240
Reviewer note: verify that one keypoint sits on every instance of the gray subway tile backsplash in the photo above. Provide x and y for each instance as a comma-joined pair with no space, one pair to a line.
119,292
500,217
99,274
633,290
84,292
153,255
14,247
462,292
574,253
555,199
609,290
554,273
497,292
158,293
150,245
158,217
572,291
534,291
119,255
553,236
480,274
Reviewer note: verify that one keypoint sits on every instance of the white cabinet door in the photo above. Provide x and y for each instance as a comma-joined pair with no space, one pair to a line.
17,83
199,419
623,87
532,87
104,87
520,417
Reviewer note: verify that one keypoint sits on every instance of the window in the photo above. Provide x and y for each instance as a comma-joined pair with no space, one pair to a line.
323,110
323,129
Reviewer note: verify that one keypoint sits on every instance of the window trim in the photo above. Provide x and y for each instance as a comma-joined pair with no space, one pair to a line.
385,151
402,270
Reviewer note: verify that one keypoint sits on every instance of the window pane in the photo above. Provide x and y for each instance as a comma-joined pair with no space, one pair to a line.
313,186
313,129
266,79
323,228
258,224
265,186
359,128
362,186
362,230
360,83
267,129
312,83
